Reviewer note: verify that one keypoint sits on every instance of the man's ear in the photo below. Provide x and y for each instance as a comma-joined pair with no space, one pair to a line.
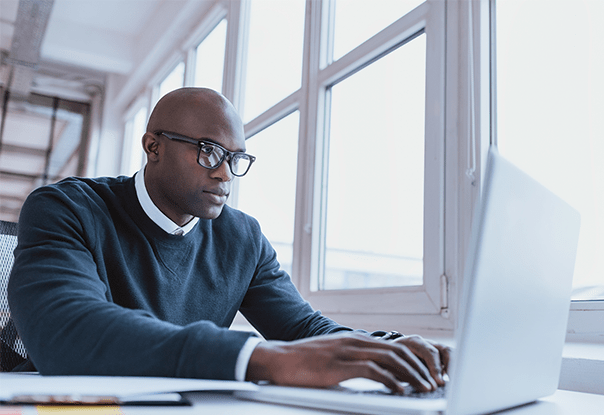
151,146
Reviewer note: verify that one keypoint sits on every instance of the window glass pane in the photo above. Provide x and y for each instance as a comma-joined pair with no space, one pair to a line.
173,81
209,65
550,101
374,222
135,131
276,151
358,20
274,58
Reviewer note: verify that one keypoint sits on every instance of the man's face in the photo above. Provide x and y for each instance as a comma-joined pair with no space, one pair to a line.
182,187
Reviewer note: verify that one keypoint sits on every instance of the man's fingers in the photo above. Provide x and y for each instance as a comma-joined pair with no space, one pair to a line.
371,370
419,366
445,355
430,360
398,361
436,359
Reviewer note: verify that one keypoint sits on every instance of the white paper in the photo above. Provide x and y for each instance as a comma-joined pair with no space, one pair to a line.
120,387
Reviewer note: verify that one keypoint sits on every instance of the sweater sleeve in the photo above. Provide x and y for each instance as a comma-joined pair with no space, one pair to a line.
62,309
274,306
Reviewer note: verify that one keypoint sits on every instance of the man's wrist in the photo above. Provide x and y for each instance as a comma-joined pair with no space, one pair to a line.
263,363
243,359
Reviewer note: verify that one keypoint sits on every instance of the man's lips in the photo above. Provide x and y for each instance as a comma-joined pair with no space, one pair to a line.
217,195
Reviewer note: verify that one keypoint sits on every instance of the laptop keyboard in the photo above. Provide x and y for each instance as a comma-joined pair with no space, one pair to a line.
439,393
409,391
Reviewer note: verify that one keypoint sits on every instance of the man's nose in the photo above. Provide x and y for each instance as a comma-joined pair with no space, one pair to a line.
223,172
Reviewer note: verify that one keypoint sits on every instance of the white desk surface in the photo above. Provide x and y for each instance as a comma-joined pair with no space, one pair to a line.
561,403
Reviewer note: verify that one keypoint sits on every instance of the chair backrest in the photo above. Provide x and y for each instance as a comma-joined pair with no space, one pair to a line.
12,351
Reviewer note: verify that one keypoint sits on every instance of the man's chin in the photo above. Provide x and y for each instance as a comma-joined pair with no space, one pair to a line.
211,213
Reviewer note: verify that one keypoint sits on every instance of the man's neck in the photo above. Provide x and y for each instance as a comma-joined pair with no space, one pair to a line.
180,226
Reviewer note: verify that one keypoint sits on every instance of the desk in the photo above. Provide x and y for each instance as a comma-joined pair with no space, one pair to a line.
561,403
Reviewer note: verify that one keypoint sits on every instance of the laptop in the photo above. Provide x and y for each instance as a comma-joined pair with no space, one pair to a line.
513,311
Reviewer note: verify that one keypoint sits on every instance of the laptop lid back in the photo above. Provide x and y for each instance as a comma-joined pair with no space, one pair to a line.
516,297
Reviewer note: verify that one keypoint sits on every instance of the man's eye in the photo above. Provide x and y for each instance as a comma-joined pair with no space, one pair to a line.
207,149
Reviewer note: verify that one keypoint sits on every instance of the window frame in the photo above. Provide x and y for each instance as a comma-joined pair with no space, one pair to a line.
427,302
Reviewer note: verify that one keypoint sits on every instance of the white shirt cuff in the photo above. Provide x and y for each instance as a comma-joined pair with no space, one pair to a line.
244,357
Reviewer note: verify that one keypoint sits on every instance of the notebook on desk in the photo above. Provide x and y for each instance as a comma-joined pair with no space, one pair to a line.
513,315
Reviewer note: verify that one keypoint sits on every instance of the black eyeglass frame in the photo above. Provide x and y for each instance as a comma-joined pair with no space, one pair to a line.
228,155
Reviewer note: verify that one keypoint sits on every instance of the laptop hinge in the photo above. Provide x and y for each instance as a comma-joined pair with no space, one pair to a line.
444,296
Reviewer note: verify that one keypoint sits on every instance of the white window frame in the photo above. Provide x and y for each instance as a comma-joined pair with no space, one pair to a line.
449,201
586,321
430,298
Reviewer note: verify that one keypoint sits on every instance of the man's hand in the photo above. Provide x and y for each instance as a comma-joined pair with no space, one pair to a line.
327,360
434,356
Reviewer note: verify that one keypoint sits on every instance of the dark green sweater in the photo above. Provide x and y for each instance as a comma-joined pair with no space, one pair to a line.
98,288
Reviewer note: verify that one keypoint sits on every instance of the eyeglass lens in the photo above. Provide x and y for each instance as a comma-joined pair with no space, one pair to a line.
211,156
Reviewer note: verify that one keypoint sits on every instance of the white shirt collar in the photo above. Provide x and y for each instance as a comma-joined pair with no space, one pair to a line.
153,211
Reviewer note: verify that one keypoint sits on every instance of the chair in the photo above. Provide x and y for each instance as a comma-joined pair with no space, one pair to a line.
12,350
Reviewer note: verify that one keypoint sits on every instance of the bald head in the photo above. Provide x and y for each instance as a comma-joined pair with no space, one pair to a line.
178,107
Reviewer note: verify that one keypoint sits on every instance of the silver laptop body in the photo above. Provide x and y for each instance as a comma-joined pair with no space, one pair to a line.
513,315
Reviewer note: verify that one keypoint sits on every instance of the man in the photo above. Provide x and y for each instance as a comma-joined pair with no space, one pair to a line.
144,275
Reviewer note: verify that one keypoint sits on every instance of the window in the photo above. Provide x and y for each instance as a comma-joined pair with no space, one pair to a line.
550,100
209,58
374,178
375,124
274,53
272,73
322,128
132,157
276,151
358,20
174,80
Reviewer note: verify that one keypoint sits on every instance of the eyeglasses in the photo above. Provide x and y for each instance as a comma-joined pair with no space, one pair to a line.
211,155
